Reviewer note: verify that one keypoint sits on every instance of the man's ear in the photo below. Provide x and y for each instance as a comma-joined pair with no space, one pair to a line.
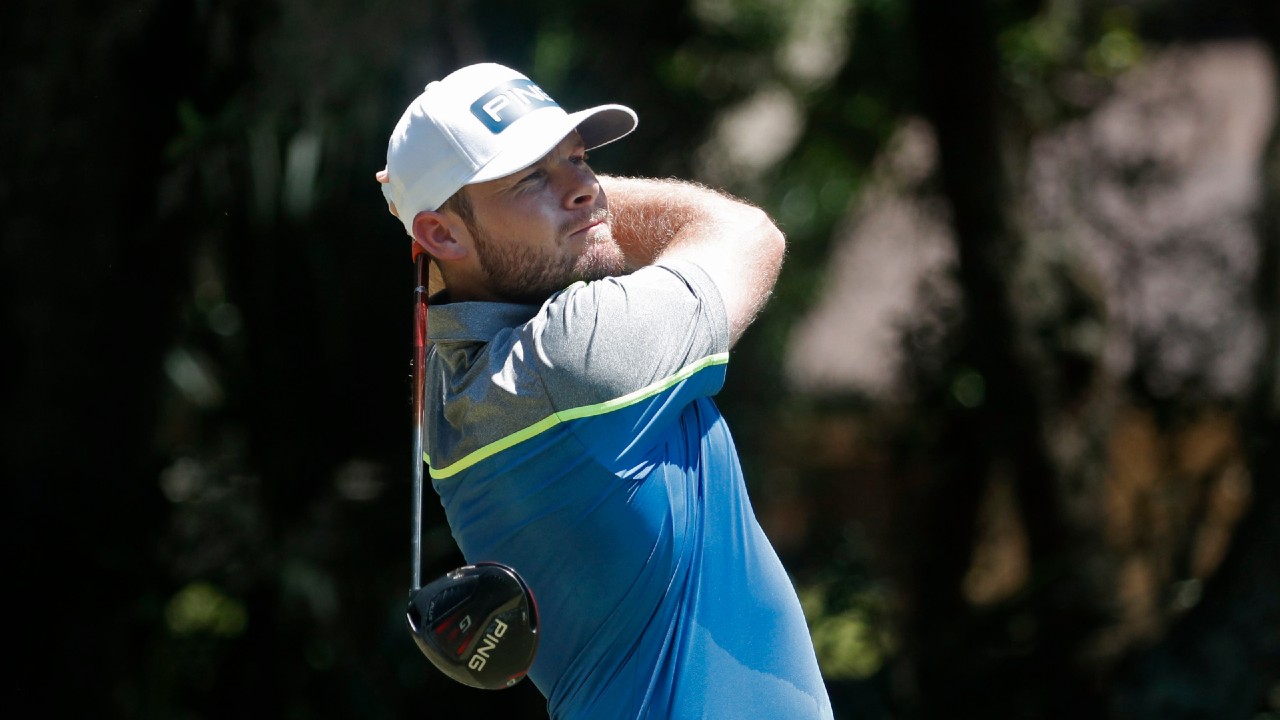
441,236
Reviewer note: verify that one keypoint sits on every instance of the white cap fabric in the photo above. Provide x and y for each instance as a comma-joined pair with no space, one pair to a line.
480,123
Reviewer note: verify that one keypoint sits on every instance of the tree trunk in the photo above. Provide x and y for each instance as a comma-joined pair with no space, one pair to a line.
1029,658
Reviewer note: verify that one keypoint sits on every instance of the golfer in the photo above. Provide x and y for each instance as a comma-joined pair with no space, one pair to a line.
570,432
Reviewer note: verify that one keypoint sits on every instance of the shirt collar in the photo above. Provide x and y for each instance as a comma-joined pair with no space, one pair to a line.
464,321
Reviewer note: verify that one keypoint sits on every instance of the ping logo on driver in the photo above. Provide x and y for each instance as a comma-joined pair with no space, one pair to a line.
487,645
507,103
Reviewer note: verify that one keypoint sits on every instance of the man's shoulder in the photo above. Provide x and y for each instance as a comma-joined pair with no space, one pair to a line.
651,301
621,333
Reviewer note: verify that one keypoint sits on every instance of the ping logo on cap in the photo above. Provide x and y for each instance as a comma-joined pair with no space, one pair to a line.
509,102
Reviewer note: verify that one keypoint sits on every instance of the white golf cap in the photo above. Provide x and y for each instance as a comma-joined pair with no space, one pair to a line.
480,123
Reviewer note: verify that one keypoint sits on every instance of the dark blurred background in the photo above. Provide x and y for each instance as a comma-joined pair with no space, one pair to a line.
1012,417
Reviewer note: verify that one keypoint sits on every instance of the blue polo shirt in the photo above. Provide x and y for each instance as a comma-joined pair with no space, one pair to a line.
577,442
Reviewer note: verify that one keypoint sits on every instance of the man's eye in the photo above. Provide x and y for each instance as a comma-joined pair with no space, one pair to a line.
579,159
533,177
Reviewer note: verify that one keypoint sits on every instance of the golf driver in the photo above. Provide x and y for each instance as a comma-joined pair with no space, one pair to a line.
477,624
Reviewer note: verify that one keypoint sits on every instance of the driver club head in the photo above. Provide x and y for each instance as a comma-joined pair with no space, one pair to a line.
477,624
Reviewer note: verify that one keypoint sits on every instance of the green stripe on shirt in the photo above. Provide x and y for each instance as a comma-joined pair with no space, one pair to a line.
554,419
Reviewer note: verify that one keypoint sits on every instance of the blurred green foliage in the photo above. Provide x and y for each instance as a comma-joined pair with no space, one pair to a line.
202,608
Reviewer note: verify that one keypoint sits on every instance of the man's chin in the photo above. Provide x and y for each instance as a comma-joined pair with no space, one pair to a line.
600,261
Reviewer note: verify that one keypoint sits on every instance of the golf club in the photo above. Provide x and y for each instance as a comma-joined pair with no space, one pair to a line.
477,624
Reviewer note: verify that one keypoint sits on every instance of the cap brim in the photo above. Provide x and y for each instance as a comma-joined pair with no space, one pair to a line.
603,124
598,126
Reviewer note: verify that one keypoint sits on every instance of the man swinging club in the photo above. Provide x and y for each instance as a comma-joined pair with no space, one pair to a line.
570,430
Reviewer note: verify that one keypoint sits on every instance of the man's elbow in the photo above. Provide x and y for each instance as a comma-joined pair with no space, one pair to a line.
772,241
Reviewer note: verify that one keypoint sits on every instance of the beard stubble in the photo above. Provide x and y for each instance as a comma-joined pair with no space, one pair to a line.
520,273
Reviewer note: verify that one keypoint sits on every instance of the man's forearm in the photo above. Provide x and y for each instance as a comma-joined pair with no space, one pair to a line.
735,242
648,214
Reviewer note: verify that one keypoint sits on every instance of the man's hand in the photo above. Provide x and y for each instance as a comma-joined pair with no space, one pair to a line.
382,177
435,281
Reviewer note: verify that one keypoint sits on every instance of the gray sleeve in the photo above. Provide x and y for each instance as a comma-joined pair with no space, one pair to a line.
601,340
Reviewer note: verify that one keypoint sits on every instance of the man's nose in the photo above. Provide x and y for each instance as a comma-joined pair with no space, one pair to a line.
583,187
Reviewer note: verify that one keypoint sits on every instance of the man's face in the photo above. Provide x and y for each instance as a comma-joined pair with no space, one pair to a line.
543,228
